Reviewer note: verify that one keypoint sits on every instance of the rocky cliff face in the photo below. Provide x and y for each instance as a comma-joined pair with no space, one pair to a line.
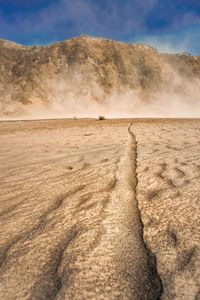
90,76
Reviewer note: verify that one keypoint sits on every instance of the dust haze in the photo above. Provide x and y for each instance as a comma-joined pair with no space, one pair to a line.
171,102
62,103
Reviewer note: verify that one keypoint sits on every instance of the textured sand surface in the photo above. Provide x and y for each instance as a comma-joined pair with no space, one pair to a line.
85,205
168,193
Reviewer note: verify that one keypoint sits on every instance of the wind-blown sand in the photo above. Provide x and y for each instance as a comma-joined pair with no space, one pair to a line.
100,209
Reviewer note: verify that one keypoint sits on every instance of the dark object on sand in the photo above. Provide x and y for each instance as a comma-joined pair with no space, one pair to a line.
101,118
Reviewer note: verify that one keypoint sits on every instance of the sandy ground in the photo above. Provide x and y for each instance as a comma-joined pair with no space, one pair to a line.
100,209
168,194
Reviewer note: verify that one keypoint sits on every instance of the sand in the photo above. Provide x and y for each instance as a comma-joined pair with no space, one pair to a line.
100,209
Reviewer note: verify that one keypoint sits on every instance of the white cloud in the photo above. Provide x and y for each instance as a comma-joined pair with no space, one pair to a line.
66,18
180,41
81,16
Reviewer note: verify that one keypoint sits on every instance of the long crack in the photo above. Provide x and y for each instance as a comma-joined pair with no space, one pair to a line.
153,286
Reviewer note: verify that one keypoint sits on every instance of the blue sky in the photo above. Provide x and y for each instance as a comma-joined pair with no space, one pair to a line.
172,25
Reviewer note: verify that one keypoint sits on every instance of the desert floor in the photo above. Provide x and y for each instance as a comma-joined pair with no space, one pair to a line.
100,209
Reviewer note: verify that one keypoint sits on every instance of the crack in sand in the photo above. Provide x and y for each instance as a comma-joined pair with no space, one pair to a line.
153,286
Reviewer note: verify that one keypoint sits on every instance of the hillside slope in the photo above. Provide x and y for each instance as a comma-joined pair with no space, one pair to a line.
89,76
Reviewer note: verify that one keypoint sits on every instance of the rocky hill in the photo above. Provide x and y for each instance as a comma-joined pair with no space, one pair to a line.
90,76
